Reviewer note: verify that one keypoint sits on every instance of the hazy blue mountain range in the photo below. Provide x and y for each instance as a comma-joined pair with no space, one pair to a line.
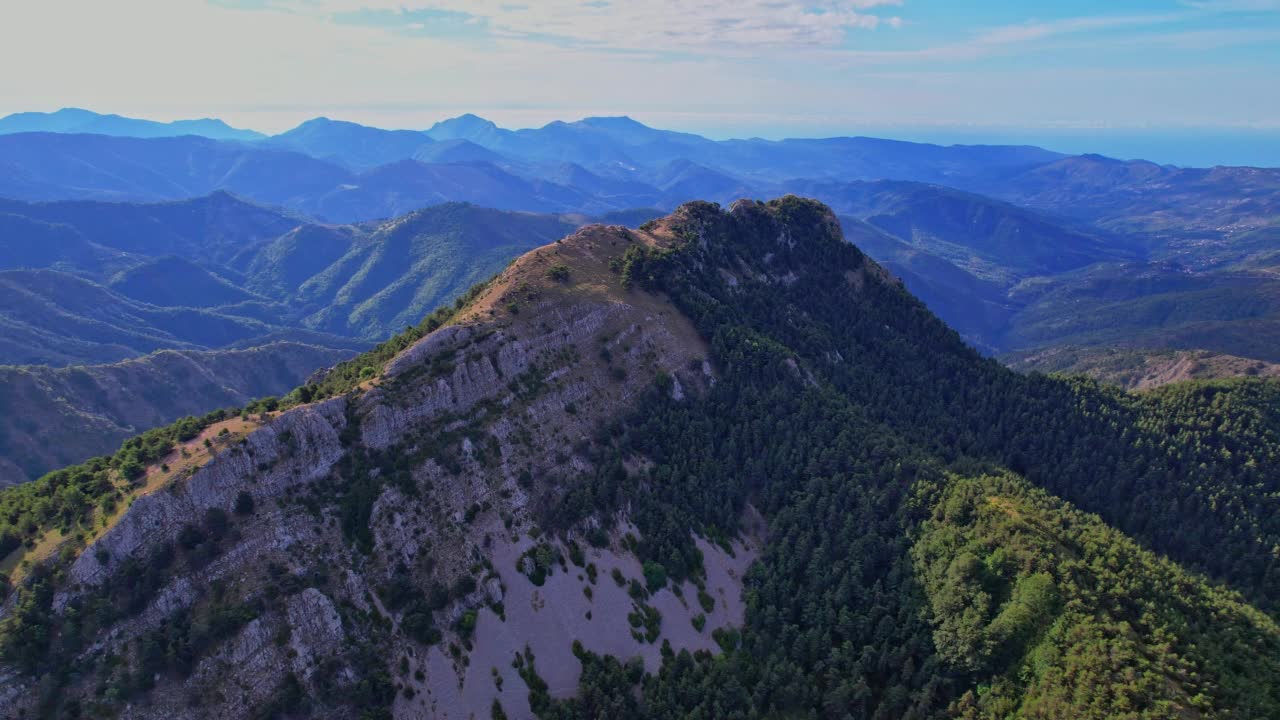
93,282
214,227
1014,279
994,240
349,143
54,166
345,172
592,165
1003,242
625,146
76,120
1174,209
49,317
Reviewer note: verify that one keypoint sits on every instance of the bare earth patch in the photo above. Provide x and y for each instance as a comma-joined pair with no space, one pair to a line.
548,619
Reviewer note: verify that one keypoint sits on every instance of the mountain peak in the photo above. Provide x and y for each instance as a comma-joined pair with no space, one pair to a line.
321,122
467,127
788,225
616,122
455,150
324,123
222,195
464,122
71,112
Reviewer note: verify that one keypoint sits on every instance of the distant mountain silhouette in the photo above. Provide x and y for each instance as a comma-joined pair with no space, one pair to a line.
93,282
76,120
458,150
213,227
53,166
991,237
346,172
350,144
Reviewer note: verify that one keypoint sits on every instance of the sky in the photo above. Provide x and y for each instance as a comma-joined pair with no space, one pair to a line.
1111,76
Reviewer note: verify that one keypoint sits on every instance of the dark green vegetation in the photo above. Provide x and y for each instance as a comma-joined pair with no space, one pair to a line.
69,500
1029,592
50,418
909,571
964,254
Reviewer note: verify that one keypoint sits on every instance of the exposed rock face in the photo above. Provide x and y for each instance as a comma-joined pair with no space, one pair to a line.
298,447
418,494
245,671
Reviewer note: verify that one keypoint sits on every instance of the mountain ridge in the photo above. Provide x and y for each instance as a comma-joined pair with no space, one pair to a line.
1141,369
100,282
719,384
78,120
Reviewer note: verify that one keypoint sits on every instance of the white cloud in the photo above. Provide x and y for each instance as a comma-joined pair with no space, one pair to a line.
679,25
1234,5
1029,37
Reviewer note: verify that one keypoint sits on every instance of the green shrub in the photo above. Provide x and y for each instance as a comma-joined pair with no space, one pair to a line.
655,575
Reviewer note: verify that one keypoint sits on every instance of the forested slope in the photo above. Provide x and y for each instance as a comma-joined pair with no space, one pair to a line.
847,414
